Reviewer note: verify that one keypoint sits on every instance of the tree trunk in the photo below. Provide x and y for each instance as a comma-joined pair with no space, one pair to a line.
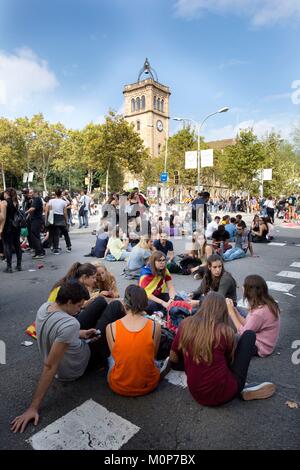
45,183
3,177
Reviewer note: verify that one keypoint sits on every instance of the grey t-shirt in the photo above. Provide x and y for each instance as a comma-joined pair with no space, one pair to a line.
62,327
137,258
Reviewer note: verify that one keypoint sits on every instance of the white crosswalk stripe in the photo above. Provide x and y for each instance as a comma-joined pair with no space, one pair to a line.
177,377
292,274
295,265
279,286
87,427
276,244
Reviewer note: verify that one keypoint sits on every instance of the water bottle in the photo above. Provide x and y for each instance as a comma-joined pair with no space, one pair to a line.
222,248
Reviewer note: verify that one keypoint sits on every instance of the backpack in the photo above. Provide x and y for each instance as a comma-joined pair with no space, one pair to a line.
166,340
19,219
178,310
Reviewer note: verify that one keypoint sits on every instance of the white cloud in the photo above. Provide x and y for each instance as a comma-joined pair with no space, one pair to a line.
231,63
23,75
261,12
64,108
282,125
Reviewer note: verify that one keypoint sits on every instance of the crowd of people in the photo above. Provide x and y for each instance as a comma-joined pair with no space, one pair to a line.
138,335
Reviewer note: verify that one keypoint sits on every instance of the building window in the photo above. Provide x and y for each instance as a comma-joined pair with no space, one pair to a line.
158,149
138,125
132,105
154,102
158,104
138,104
162,106
143,102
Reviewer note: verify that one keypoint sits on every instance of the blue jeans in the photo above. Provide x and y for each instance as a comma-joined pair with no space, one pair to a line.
233,253
84,220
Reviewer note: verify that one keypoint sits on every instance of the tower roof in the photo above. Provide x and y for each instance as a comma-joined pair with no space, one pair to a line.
148,70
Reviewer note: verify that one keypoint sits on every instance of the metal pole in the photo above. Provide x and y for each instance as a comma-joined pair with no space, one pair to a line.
198,158
165,167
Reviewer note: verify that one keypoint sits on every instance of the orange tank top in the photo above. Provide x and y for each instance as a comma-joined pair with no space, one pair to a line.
134,372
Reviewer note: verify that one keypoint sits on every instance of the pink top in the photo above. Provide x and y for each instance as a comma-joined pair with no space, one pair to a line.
266,326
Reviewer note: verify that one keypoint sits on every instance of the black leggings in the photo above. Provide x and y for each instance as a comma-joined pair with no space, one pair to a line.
156,307
98,315
245,349
12,239
57,230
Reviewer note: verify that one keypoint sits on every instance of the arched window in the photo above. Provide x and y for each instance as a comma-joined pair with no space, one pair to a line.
154,102
138,104
138,125
158,104
162,106
143,102
158,149
132,105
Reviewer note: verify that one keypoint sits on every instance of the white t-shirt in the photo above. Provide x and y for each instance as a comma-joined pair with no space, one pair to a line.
269,203
85,200
211,227
58,205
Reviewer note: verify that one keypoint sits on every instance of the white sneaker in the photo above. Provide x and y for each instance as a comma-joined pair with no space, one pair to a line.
258,391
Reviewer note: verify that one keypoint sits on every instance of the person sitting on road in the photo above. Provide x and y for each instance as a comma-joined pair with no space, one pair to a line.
164,245
231,228
255,223
138,257
212,227
101,243
156,280
106,284
259,235
225,220
216,370
133,341
198,255
116,248
263,317
271,230
220,239
242,244
216,279
63,329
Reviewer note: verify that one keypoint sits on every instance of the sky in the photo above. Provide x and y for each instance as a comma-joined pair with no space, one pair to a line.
70,60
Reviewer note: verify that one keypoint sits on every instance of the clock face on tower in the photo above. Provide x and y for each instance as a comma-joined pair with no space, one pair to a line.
159,125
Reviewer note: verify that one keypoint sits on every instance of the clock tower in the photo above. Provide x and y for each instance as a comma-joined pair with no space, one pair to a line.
147,107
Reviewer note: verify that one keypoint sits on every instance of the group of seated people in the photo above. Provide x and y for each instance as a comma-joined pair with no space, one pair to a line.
84,324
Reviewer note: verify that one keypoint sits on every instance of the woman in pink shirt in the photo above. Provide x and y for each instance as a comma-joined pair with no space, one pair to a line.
263,317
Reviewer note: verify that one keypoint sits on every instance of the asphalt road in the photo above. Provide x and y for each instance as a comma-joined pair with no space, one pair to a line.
168,418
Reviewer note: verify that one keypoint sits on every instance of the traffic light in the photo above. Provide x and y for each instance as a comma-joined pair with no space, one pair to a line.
176,177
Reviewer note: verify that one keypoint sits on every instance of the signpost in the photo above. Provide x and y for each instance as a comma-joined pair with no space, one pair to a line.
164,177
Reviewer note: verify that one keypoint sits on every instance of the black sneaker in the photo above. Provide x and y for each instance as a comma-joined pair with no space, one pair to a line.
38,256
19,268
88,255
258,391
8,270
69,249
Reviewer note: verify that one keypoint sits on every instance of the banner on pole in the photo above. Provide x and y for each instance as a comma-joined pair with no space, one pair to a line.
191,160
207,158
267,174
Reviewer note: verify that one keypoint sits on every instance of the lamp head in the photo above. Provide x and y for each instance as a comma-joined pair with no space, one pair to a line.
223,110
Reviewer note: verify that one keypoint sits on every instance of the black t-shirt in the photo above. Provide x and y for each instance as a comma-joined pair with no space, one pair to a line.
11,209
219,236
37,203
165,249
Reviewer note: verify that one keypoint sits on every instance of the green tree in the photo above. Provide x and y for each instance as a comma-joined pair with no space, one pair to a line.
11,149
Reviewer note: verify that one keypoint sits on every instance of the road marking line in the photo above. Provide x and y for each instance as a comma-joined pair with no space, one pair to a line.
295,265
292,274
291,295
177,377
279,286
276,244
297,245
90,426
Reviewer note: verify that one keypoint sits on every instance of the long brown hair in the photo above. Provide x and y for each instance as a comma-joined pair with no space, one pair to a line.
75,272
12,193
257,294
202,332
210,282
155,257
107,284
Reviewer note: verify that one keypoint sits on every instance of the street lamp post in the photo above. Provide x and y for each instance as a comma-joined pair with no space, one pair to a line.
199,127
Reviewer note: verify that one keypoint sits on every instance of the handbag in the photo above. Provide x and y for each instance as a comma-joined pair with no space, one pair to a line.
19,219
50,219
59,220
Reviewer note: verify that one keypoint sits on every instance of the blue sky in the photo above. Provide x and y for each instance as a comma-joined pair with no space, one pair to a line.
70,59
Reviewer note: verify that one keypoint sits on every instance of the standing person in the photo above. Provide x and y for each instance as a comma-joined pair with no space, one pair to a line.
9,233
83,214
270,207
133,341
199,204
26,204
263,317
35,213
216,370
59,207
66,196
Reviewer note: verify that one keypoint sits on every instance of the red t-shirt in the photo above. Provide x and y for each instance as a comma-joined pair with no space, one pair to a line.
213,384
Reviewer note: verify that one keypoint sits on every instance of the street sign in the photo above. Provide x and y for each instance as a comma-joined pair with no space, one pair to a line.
207,158
164,177
152,191
191,160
